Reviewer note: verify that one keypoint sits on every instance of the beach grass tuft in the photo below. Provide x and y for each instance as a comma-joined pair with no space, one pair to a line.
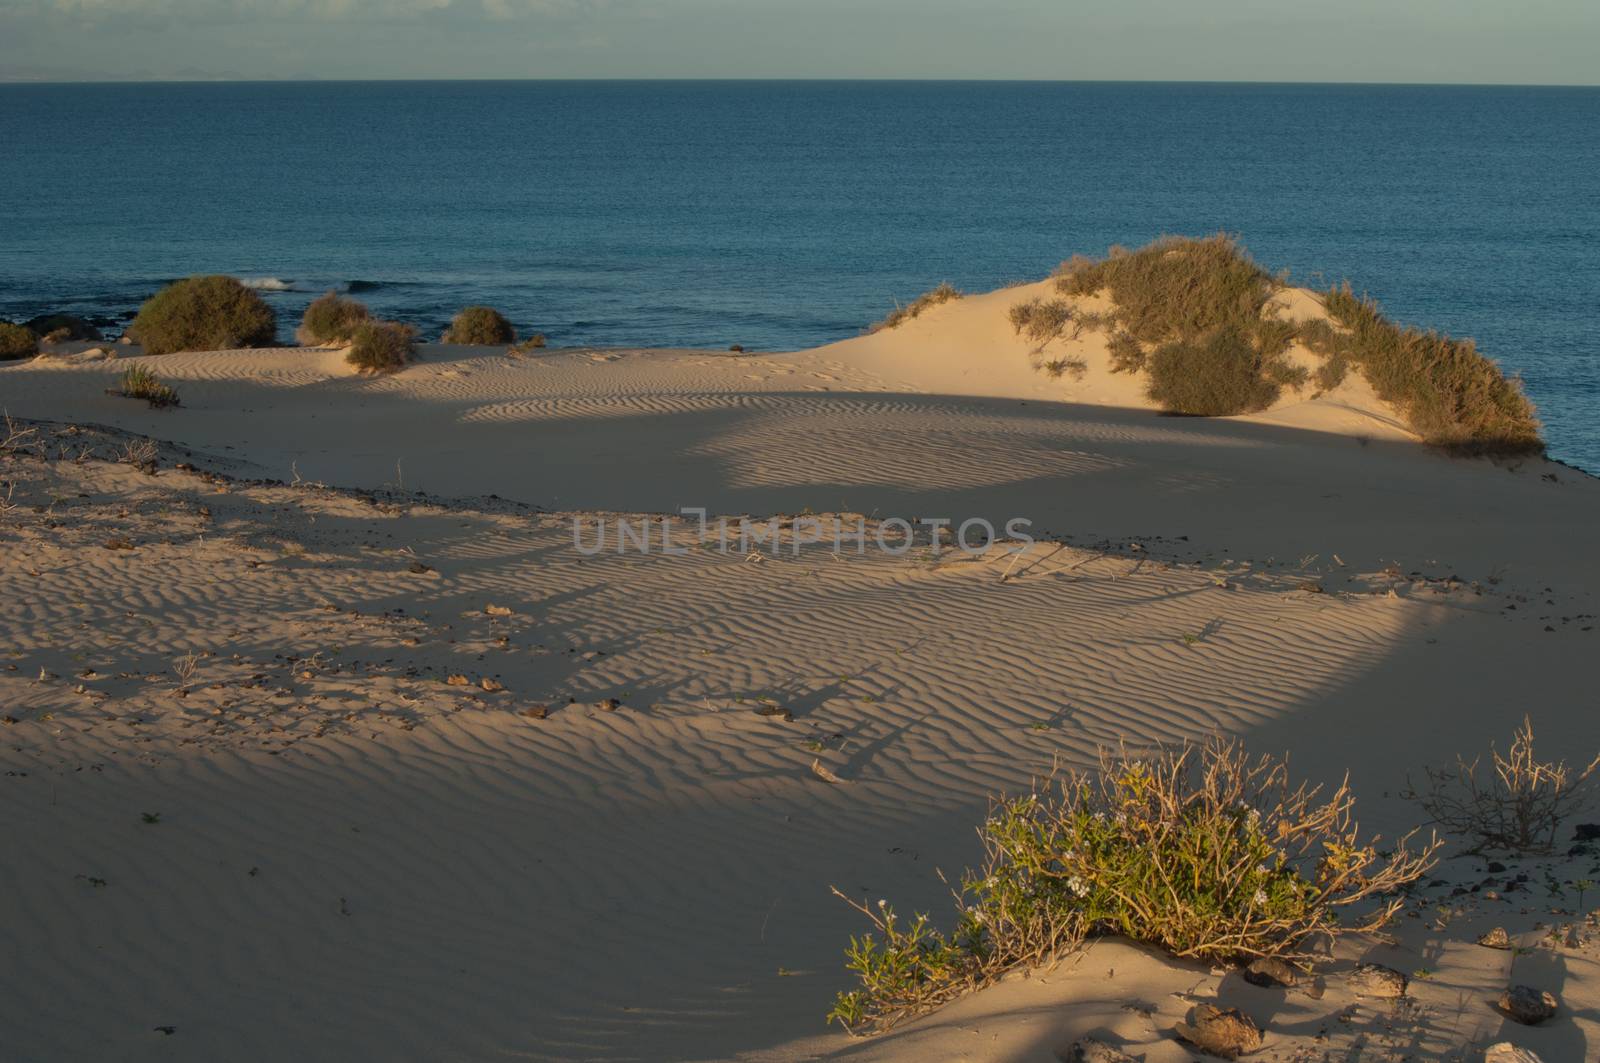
140,383
944,293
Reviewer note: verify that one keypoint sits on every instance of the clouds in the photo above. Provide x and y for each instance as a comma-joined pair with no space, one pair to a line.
100,11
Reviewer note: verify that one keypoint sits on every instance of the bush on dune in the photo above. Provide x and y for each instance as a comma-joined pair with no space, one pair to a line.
204,314
480,326
333,319
1449,393
381,346
17,341
1219,375
1190,308
1204,852
944,293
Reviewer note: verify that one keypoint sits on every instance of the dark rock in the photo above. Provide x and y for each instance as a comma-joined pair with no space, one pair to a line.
1225,1032
1586,832
1528,1005
1495,939
1089,1050
1270,971
1495,866
1376,980
61,327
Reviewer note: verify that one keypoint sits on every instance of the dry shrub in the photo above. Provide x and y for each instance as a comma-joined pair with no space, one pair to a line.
140,383
479,326
1202,851
1517,808
528,346
333,319
901,314
17,342
1448,393
203,314
1219,375
1041,320
1175,288
1127,354
381,346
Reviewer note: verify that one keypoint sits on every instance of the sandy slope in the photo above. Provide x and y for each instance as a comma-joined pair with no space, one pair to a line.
357,858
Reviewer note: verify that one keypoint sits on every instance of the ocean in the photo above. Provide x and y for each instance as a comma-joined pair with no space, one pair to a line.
780,215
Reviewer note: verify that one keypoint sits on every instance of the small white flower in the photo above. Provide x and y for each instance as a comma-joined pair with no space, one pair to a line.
1260,898
1077,886
1253,817
882,903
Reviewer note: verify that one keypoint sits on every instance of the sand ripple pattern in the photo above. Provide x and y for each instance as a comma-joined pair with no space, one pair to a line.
349,848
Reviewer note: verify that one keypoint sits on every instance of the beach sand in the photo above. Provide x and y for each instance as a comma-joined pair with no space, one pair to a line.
331,744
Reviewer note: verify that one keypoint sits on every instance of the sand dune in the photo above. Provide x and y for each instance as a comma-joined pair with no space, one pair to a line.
363,849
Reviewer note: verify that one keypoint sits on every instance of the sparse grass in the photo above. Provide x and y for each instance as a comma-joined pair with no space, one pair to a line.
1059,367
480,326
901,314
1448,393
381,346
333,319
528,346
17,342
1041,320
140,383
1517,807
1127,354
1202,851
204,314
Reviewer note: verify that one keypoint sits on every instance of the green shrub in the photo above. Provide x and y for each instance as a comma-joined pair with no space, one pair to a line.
1217,376
1041,320
381,346
17,342
204,314
333,319
140,383
1448,393
901,314
480,326
57,327
1204,852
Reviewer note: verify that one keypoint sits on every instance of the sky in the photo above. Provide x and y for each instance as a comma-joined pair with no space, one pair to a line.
1555,42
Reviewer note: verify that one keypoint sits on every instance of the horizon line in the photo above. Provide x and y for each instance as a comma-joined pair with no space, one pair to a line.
5,81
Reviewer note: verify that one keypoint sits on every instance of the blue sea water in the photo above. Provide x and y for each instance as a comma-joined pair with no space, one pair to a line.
785,214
